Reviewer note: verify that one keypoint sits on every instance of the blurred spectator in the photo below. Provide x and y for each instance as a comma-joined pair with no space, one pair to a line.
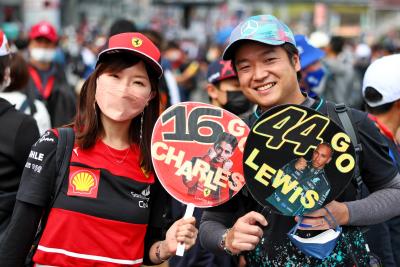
184,71
313,72
18,135
217,46
84,65
362,59
319,39
381,92
47,80
381,49
340,83
122,25
169,90
224,90
15,94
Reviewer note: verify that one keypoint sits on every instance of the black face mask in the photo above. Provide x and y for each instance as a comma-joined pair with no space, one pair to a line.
237,103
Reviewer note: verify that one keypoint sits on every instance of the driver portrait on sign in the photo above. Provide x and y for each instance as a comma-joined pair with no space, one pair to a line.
310,176
218,156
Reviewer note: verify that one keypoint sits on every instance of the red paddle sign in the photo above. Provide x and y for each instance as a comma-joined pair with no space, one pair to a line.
197,153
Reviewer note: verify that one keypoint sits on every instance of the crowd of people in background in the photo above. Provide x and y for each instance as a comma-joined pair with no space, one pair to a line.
42,73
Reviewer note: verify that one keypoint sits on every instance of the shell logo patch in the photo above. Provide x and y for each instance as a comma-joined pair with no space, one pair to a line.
136,42
83,182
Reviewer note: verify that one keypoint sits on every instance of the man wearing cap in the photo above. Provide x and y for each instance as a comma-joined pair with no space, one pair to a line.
313,73
223,88
19,132
264,54
381,92
47,80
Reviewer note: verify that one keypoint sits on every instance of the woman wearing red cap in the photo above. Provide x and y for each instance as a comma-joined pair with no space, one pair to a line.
109,211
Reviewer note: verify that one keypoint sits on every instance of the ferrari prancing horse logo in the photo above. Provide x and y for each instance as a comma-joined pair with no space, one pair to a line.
136,42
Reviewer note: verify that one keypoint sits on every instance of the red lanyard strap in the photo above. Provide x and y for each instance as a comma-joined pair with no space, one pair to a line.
44,92
383,129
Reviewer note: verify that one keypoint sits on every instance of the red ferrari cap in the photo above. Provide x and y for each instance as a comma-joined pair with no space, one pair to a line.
138,44
43,29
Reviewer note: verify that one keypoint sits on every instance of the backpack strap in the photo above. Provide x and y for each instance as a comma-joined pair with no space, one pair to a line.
342,112
29,101
66,138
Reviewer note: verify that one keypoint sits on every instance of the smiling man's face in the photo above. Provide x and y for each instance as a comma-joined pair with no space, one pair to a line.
266,74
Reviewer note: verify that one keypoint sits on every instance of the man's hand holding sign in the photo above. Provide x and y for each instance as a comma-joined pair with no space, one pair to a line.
246,233
197,152
316,219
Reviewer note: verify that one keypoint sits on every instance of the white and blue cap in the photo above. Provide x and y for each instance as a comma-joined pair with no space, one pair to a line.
383,76
265,29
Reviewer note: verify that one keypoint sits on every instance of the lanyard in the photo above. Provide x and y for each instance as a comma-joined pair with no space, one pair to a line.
44,92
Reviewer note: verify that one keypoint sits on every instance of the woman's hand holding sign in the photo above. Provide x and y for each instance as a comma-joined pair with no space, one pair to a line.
316,219
182,231
245,233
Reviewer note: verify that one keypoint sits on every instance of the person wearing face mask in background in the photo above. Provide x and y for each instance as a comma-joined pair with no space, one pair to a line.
313,72
15,95
184,70
223,88
19,132
47,81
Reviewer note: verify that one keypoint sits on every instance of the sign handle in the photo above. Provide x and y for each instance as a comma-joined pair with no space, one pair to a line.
180,250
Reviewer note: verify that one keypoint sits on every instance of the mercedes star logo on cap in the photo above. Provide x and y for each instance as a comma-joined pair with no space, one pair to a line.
249,27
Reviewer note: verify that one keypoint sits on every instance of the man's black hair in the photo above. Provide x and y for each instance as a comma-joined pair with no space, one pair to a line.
337,43
372,95
291,50
227,137
121,26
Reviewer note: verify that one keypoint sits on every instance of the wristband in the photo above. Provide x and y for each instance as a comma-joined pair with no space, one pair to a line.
223,242
158,252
